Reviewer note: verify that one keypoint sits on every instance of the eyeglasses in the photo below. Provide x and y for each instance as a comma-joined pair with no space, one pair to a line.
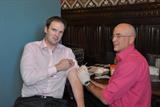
119,36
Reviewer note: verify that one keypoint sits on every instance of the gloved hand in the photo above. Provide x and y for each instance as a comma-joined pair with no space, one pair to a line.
84,75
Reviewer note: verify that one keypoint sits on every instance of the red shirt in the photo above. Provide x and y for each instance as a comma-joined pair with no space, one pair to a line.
130,84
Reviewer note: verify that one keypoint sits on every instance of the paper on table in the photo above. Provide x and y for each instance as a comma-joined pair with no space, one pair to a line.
102,77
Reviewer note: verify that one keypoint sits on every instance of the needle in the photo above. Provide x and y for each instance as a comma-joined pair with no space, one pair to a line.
85,63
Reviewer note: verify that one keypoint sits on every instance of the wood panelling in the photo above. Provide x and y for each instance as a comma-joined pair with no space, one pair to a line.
91,29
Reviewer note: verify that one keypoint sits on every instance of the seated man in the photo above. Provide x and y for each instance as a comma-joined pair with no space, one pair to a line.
130,84
45,66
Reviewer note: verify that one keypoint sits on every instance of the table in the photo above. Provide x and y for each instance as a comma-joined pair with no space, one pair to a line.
156,88
155,94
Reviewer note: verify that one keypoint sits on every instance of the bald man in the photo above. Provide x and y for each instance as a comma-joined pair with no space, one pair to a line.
129,86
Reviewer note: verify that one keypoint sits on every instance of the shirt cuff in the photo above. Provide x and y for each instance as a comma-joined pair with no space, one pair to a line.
52,70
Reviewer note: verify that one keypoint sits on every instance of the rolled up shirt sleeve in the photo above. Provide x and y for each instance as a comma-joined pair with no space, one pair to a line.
70,55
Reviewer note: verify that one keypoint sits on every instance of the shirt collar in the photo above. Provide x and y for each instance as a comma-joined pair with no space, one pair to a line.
43,44
121,55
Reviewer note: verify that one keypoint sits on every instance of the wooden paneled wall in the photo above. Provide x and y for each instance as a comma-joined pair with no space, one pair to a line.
91,29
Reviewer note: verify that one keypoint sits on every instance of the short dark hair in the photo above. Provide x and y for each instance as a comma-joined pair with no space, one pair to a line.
55,18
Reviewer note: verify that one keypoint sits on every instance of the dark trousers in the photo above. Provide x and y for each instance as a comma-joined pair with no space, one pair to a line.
39,101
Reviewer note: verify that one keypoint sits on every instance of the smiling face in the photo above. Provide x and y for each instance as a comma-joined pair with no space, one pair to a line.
54,33
123,36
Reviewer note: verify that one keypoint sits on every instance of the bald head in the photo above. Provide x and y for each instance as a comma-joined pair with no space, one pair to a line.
128,29
123,36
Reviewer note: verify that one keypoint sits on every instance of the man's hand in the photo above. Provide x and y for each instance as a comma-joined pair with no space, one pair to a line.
84,75
64,64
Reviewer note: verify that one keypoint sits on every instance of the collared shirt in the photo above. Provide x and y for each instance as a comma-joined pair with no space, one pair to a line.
39,74
130,84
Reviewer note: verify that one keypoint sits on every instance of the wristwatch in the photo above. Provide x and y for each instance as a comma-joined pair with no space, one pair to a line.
87,83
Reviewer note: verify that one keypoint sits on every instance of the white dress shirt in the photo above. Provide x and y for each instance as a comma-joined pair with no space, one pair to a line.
39,75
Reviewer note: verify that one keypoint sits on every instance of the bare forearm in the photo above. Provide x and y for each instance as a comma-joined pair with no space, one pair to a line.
77,88
79,96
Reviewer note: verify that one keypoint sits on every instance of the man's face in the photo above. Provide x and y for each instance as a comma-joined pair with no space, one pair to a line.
54,33
121,38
